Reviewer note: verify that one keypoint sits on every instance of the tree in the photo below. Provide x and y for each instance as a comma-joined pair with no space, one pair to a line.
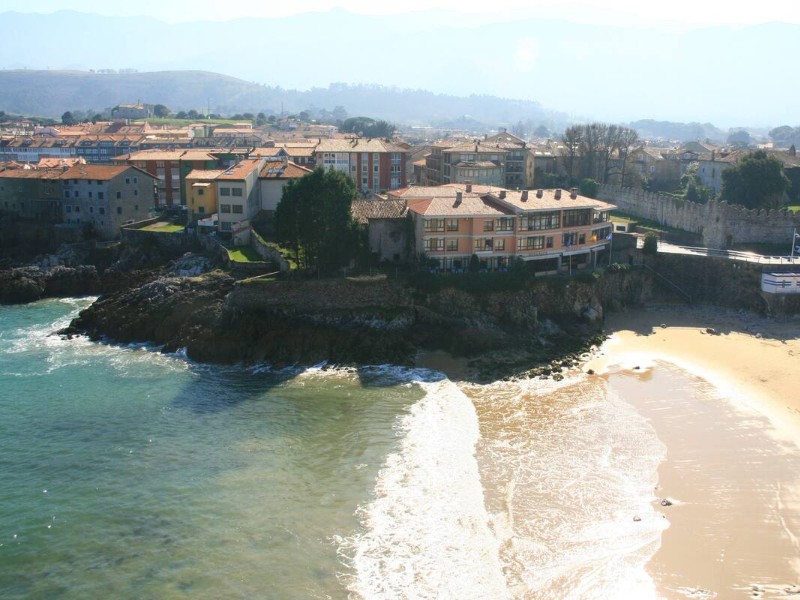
628,138
261,119
367,127
161,111
68,119
692,187
181,114
571,139
314,219
739,137
650,245
757,181
589,187
541,132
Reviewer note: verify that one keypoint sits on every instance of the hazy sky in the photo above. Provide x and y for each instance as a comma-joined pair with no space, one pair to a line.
674,12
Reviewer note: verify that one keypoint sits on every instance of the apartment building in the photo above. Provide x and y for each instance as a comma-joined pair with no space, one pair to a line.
502,160
238,196
374,165
106,196
554,230
32,193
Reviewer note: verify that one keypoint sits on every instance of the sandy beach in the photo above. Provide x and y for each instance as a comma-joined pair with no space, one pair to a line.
732,474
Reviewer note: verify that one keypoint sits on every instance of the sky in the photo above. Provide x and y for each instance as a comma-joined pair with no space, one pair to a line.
674,13
616,60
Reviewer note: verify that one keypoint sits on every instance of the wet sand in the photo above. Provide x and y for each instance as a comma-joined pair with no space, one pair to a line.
732,471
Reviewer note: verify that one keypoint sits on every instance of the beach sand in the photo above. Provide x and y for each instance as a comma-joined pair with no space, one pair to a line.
732,471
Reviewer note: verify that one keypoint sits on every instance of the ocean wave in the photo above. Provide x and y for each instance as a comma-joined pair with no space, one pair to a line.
426,533
570,472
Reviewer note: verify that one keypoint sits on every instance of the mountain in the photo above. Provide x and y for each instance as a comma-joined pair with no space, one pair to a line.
51,93
727,75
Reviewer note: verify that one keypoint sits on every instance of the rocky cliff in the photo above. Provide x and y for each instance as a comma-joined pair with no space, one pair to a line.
354,321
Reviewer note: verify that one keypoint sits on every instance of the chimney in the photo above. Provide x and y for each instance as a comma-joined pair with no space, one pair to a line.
502,194
524,196
539,193
468,184
458,199
573,193
558,194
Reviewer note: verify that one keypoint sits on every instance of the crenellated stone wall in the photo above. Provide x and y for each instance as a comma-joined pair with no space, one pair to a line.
721,225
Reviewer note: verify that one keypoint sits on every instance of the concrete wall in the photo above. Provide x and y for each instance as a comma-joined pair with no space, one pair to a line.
720,224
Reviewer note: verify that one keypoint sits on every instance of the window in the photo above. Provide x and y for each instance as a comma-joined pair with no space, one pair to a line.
505,224
573,218
119,210
119,195
224,191
128,180
201,209
488,225
66,194
434,225
101,195
237,209
452,224
582,238
225,226
67,207
77,208
548,242
135,180
236,192
434,244
539,221
530,243
75,194
135,192
483,244
569,239
200,192
101,210
499,244
225,208
90,194
452,245
136,207
91,210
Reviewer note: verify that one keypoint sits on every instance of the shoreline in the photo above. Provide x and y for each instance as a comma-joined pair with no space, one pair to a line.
732,472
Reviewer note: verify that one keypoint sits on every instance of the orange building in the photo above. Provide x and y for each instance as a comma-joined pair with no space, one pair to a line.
556,230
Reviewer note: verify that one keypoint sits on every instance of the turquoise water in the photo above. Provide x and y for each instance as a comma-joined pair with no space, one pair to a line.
127,473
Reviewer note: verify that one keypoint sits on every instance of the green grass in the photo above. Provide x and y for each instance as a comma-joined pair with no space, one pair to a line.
794,208
244,254
163,228
646,223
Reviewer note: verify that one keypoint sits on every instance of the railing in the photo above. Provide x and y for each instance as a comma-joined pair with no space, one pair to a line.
749,257
673,286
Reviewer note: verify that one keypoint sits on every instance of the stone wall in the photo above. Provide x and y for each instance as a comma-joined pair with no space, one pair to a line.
720,224
268,253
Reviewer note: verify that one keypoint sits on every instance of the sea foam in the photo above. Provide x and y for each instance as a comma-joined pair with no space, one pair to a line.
426,534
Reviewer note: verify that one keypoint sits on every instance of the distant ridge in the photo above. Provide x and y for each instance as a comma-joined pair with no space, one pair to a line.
50,93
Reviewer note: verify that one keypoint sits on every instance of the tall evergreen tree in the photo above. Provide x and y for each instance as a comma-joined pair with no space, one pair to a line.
314,219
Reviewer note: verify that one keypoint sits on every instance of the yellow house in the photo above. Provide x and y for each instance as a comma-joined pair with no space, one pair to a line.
201,194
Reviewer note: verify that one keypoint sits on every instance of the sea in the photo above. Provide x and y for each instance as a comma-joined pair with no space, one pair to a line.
129,473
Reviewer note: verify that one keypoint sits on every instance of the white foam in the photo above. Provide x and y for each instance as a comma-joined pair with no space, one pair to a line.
426,533
571,471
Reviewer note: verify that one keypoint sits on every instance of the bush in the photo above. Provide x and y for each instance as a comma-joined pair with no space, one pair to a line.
588,188
650,243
